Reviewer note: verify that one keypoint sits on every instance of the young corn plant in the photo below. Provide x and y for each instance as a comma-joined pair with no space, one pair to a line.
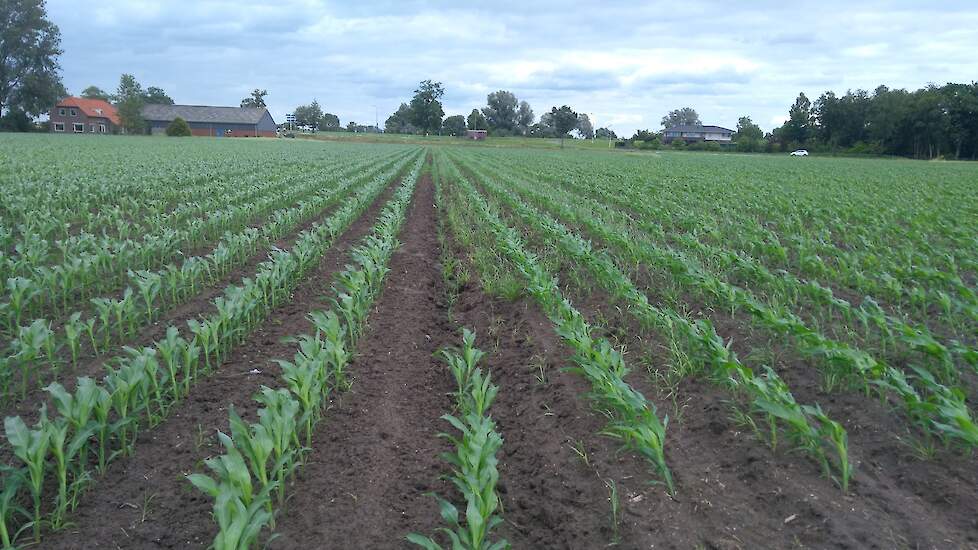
10,510
31,446
240,512
473,461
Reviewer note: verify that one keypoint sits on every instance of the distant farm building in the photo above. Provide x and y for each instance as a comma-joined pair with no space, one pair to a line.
212,121
78,115
476,134
692,134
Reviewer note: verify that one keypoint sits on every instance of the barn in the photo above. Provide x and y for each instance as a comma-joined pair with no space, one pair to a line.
212,121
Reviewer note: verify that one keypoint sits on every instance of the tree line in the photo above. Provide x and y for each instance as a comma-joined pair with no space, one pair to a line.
931,122
504,115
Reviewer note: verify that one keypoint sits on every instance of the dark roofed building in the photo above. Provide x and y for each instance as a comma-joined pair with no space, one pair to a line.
692,134
212,121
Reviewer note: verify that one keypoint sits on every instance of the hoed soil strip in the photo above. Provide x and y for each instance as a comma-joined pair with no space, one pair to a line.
145,501
740,492
199,305
552,497
376,454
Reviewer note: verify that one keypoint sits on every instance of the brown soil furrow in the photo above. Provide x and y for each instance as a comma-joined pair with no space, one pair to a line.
375,454
145,501
555,468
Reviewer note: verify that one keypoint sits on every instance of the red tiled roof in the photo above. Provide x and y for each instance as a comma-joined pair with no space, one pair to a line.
92,107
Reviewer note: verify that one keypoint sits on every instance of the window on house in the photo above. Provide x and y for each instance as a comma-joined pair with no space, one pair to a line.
73,112
93,128
101,128
62,111
78,127
59,126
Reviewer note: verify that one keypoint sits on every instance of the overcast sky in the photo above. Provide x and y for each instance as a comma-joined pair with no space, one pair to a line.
626,63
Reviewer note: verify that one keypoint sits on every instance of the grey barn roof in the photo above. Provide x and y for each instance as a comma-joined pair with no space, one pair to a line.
204,113
711,129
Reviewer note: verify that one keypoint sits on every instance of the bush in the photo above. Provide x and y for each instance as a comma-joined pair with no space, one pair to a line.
863,148
178,128
17,121
652,144
704,146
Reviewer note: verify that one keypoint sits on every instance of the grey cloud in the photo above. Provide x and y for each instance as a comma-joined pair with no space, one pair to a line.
726,60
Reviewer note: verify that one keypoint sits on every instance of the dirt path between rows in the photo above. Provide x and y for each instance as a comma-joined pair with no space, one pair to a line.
145,501
375,454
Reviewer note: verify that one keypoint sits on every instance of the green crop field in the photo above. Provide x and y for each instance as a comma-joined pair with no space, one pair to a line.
248,343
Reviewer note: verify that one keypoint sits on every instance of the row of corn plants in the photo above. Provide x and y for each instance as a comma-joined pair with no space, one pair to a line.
807,426
473,458
940,410
890,330
248,481
158,199
114,320
97,185
30,239
147,382
920,272
84,270
632,417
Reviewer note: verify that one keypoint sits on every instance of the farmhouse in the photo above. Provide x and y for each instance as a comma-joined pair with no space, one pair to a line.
78,115
476,134
212,121
691,134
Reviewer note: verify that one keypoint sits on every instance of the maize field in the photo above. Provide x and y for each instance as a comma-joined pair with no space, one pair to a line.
287,344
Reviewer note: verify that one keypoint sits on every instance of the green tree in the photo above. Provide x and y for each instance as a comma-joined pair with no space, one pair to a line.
562,120
453,126
156,96
94,92
749,136
605,133
178,128
426,108
685,116
400,121
524,117
477,121
501,111
256,99
309,115
798,129
584,126
961,105
130,99
330,122
644,135
29,48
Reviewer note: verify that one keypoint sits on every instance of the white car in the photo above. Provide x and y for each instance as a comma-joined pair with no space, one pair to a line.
799,153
